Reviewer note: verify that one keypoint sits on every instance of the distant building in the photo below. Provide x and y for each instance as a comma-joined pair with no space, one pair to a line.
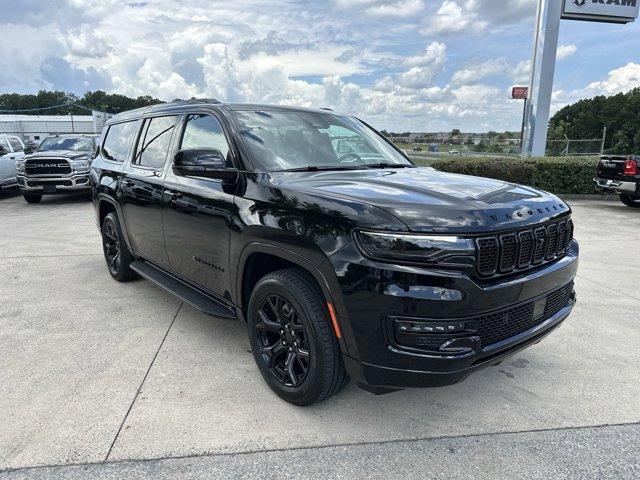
37,127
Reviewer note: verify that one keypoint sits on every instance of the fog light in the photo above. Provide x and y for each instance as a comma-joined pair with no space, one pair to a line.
430,327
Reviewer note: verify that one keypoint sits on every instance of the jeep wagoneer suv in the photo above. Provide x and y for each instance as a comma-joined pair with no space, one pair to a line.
344,258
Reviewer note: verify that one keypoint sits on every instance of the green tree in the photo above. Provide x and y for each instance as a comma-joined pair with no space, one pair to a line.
586,119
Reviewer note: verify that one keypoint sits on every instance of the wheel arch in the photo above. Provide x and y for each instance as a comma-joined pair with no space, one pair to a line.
106,205
258,259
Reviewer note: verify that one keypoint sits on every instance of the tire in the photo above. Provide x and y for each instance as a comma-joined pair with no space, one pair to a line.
630,201
32,198
116,253
303,318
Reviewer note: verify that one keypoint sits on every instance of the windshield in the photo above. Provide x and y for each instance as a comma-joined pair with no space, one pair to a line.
297,140
80,144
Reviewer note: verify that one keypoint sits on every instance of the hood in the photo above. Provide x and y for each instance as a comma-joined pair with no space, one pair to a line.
427,200
68,154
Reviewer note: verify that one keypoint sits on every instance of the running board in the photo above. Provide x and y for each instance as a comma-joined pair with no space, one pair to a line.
186,293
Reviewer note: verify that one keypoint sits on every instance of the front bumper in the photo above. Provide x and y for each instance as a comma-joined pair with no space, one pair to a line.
46,184
616,185
374,294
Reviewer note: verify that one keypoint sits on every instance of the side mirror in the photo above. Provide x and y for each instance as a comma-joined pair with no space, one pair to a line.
29,149
203,162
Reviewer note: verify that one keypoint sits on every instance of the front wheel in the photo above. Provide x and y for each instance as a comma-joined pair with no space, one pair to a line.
291,338
630,201
32,198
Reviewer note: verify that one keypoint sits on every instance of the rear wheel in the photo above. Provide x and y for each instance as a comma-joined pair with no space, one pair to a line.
630,201
292,340
115,249
32,198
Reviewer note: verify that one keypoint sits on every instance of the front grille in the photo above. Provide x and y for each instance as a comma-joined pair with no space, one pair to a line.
504,324
47,166
491,328
506,253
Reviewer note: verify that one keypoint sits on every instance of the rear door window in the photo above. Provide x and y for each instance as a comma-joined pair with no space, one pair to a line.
154,142
117,141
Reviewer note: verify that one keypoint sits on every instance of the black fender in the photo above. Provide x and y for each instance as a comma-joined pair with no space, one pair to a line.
322,272
103,197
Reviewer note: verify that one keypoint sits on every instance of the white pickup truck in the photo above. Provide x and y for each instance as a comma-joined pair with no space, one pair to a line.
11,150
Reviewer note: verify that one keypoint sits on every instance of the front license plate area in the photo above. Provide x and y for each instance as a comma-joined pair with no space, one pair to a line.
49,189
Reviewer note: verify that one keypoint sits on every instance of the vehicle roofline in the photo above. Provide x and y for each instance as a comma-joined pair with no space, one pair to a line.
180,106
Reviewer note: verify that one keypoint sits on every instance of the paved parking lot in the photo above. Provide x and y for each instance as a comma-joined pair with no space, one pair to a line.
117,380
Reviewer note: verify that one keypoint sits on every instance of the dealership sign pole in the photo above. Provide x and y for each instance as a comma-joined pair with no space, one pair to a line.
545,47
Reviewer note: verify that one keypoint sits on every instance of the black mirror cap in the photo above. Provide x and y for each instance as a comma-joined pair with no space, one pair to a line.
203,162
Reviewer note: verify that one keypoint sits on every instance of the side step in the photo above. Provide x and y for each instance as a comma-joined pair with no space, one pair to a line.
186,293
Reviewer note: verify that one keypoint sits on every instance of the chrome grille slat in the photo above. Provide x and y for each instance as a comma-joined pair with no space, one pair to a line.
47,166
508,252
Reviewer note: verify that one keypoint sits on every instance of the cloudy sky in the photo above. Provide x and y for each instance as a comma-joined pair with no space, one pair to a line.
400,64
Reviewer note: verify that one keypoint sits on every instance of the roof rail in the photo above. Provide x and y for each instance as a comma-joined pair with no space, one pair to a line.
197,100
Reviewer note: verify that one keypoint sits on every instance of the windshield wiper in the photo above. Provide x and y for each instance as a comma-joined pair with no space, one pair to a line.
388,165
326,168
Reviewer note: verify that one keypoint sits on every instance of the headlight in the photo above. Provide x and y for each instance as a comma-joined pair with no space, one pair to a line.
80,166
413,248
20,166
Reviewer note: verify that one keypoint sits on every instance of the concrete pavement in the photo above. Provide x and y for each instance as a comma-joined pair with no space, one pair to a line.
94,371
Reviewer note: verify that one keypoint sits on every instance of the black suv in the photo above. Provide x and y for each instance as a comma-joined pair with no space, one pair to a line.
343,257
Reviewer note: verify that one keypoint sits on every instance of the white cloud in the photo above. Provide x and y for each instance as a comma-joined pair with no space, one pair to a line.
403,8
619,80
452,17
521,72
477,71
384,8
422,70
565,51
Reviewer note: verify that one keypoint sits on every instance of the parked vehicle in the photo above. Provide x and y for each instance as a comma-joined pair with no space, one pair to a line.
620,174
356,265
417,148
11,151
60,164
454,152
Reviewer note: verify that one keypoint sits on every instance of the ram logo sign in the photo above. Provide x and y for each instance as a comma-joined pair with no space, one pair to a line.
610,11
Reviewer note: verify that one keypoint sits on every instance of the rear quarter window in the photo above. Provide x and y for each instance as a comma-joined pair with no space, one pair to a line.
118,141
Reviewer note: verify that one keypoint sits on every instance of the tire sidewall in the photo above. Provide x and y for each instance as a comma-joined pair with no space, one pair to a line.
630,201
112,219
312,385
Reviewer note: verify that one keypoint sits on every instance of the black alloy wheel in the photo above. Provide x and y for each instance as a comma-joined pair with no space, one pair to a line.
283,340
111,248
292,339
116,253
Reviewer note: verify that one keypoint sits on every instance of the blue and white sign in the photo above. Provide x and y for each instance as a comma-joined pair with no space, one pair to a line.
611,11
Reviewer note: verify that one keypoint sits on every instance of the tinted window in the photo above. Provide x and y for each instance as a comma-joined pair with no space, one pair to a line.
154,142
283,139
116,144
77,144
4,145
17,146
204,131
